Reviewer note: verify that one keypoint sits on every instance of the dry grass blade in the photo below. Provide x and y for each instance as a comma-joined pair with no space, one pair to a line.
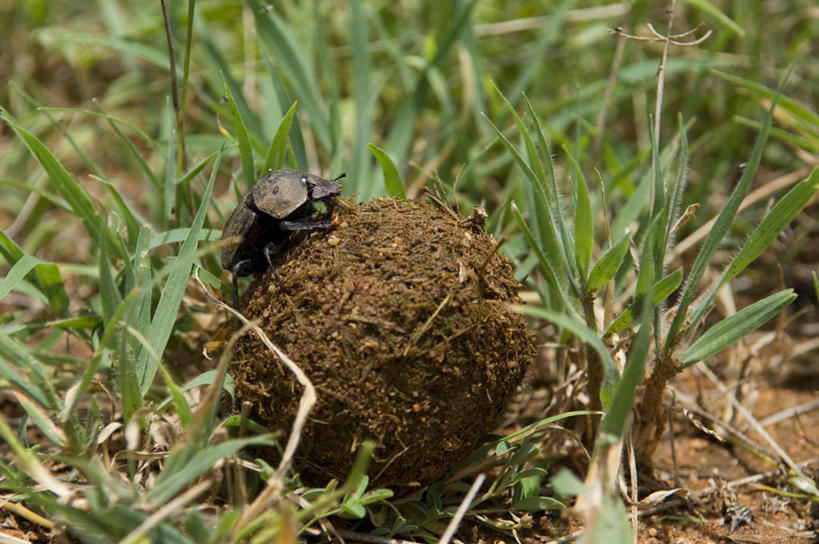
789,413
461,511
753,422
20,510
275,483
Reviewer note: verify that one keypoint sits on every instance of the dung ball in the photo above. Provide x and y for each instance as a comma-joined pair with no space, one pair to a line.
400,316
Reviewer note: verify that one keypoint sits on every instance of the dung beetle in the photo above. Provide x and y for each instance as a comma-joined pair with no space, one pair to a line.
280,203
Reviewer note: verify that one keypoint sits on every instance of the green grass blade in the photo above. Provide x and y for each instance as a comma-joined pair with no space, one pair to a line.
130,358
277,151
607,265
559,298
808,117
176,476
175,236
19,271
582,332
544,216
112,120
815,285
359,163
171,207
76,197
296,137
583,221
549,244
13,357
783,212
622,396
220,66
156,56
733,328
400,136
114,123
558,213
183,409
657,174
662,289
717,14
774,222
52,198
392,180
110,296
718,232
675,204
70,139
47,277
168,305
245,151
274,33
130,215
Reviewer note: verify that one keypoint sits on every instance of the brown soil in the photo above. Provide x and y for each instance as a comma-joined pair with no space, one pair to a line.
400,318
734,495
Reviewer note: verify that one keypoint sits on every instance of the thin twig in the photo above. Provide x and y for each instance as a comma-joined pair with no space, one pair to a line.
461,511
632,466
658,109
789,413
749,417
171,57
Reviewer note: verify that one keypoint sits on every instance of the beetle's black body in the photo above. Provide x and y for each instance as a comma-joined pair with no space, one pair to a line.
279,203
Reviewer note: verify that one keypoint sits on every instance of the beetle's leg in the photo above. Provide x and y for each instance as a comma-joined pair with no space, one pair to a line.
270,250
241,268
304,225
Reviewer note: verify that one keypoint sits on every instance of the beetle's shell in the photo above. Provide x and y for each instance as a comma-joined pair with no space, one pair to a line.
280,193
237,225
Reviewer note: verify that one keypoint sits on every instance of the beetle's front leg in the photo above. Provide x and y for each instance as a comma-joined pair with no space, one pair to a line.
270,250
304,225
241,268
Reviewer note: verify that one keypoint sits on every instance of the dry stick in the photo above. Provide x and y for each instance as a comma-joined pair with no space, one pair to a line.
180,139
658,106
783,455
604,107
632,466
461,511
789,413
276,482
740,438
534,23
730,485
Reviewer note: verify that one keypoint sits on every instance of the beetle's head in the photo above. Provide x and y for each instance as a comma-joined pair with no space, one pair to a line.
322,189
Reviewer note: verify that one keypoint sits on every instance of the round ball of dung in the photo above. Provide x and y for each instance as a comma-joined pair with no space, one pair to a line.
399,314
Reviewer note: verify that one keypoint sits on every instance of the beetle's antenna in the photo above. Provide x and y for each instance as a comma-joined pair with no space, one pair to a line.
342,175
